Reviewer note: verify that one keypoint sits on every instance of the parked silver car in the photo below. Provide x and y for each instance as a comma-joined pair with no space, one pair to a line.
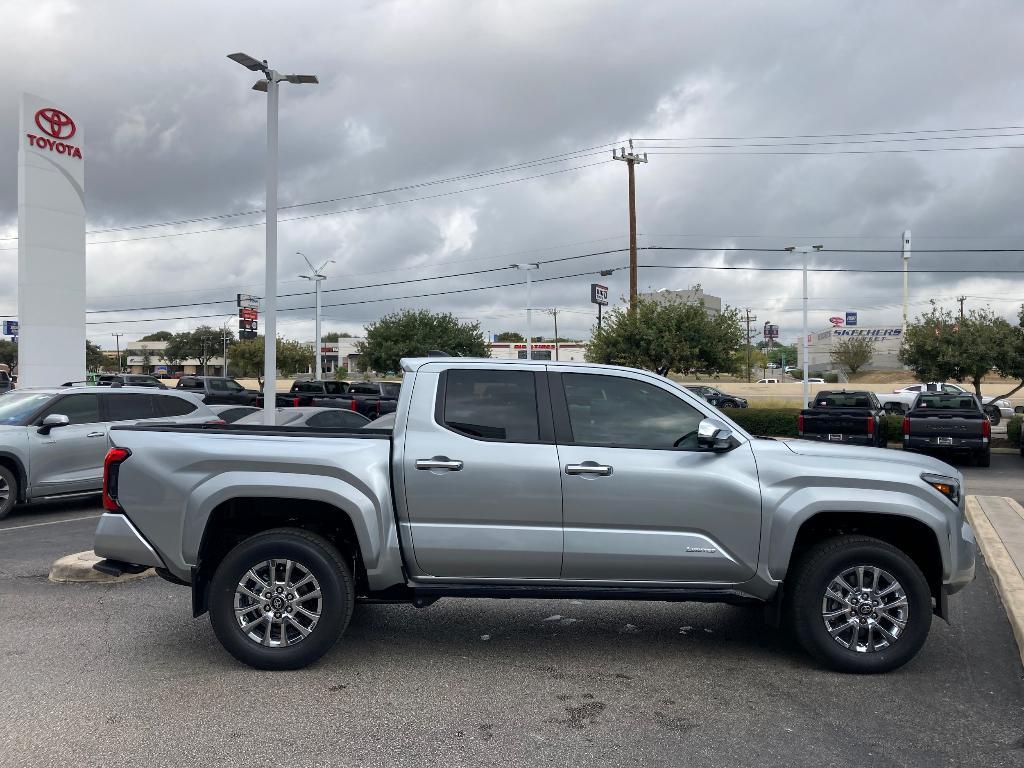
53,440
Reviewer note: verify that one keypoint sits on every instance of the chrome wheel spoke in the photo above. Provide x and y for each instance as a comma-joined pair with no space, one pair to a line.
285,617
855,613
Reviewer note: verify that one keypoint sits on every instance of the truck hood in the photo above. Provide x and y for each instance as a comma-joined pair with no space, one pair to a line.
857,453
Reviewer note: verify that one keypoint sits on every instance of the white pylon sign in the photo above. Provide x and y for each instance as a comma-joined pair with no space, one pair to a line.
51,245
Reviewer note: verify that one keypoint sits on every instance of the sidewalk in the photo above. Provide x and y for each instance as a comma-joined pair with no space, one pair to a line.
998,524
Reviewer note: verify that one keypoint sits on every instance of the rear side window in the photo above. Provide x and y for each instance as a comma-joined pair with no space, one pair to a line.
335,387
363,389
189,384
494,405
168,405
130,407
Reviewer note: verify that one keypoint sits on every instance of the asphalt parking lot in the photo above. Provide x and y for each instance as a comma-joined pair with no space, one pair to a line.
122,675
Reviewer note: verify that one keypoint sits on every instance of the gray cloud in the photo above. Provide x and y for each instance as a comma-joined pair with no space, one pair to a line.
415,91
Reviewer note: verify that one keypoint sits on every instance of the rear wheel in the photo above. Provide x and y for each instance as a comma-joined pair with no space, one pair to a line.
859,604
281,599
8,491
728,404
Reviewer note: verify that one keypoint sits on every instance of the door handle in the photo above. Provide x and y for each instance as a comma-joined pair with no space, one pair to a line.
439,463
97,434
588,468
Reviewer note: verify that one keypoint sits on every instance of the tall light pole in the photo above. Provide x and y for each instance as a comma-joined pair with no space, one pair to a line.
805,249
224,348
269,85
317,277
117,336
528,268
906,278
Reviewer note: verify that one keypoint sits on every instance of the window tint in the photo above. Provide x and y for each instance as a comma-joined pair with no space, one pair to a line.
335,387
190,384
364,389
168,405
390,390
610,410
218,385
498,405
80,409
233,386
338,419
130,407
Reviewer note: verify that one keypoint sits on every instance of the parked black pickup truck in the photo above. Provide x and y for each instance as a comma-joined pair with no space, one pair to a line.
374,398
218,390
318,393
946,423
843,417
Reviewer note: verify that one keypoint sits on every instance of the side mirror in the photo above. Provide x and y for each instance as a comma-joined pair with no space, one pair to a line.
53,420
714,435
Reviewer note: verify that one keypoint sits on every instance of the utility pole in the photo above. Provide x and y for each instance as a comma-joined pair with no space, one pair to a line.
554,314
631,158
204,357
805,249
117,336
961,299
749,319
906,278
316,278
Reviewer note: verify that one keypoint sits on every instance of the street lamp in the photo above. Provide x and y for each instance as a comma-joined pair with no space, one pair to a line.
805,249
269,85
317,277
528,268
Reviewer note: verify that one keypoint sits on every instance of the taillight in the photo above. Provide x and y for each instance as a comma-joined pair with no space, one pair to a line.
871,425
986,428
352,405
295,402
111,470
800,424
906,426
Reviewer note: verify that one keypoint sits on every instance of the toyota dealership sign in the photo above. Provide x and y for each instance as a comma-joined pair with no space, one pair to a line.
51,244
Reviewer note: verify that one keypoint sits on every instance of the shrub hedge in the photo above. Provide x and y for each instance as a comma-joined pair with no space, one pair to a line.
1013,431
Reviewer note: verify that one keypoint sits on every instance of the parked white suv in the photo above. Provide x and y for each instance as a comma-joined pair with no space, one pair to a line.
53,440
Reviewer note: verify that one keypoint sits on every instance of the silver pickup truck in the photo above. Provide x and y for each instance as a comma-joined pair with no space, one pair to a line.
539,480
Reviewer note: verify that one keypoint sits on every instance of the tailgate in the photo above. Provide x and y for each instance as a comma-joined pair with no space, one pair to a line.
837,422
947,425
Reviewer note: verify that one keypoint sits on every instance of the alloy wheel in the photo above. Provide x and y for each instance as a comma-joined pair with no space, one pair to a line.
278,603
865,609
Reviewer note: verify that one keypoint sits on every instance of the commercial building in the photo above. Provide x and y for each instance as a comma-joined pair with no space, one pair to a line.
568,351
886,341
712,304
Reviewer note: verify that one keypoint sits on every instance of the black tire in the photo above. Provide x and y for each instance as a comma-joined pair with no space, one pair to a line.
984,459
9,479
994,414
813,573
728,404
321,559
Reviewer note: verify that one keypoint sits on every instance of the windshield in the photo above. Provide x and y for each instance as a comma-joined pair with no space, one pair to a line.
16,407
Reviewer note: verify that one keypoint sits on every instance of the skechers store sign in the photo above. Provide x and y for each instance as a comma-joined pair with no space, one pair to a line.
874,333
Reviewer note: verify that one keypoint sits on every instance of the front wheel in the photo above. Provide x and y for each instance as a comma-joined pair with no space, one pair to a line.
859,604
8,491
281,599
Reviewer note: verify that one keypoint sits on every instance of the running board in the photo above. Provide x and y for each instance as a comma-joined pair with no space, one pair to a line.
423,596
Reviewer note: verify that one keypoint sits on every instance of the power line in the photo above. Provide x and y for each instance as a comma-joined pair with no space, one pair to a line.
848,151
832,143
838,135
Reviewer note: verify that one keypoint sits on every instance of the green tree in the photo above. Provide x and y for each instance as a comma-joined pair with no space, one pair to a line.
941,346
334,336
201,344
292,357
509,337
669,336
8,352
95,360
158,336
415,333
854,352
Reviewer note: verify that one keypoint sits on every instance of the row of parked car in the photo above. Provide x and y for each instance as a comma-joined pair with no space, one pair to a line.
936,422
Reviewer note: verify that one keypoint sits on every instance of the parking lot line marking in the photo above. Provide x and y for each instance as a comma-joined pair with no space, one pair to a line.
50,522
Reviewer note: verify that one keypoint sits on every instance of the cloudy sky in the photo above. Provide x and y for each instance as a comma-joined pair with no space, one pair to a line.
454,137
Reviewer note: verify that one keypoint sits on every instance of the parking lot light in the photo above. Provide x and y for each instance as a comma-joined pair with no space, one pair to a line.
528,268
805,249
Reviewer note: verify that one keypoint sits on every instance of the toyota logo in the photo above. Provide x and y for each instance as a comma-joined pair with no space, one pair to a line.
55,123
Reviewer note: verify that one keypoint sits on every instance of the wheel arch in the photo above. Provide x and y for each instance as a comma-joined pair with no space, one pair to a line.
15,465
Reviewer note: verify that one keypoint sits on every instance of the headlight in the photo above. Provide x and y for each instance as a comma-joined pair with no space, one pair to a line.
947,486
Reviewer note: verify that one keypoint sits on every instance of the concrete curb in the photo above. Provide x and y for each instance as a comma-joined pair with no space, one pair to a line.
78,568
1008,580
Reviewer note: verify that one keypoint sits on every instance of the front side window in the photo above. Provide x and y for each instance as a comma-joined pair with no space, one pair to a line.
233,386
493,405
130,407
80,409
628,413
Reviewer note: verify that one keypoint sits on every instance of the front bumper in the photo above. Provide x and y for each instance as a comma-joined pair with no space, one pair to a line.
117,539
